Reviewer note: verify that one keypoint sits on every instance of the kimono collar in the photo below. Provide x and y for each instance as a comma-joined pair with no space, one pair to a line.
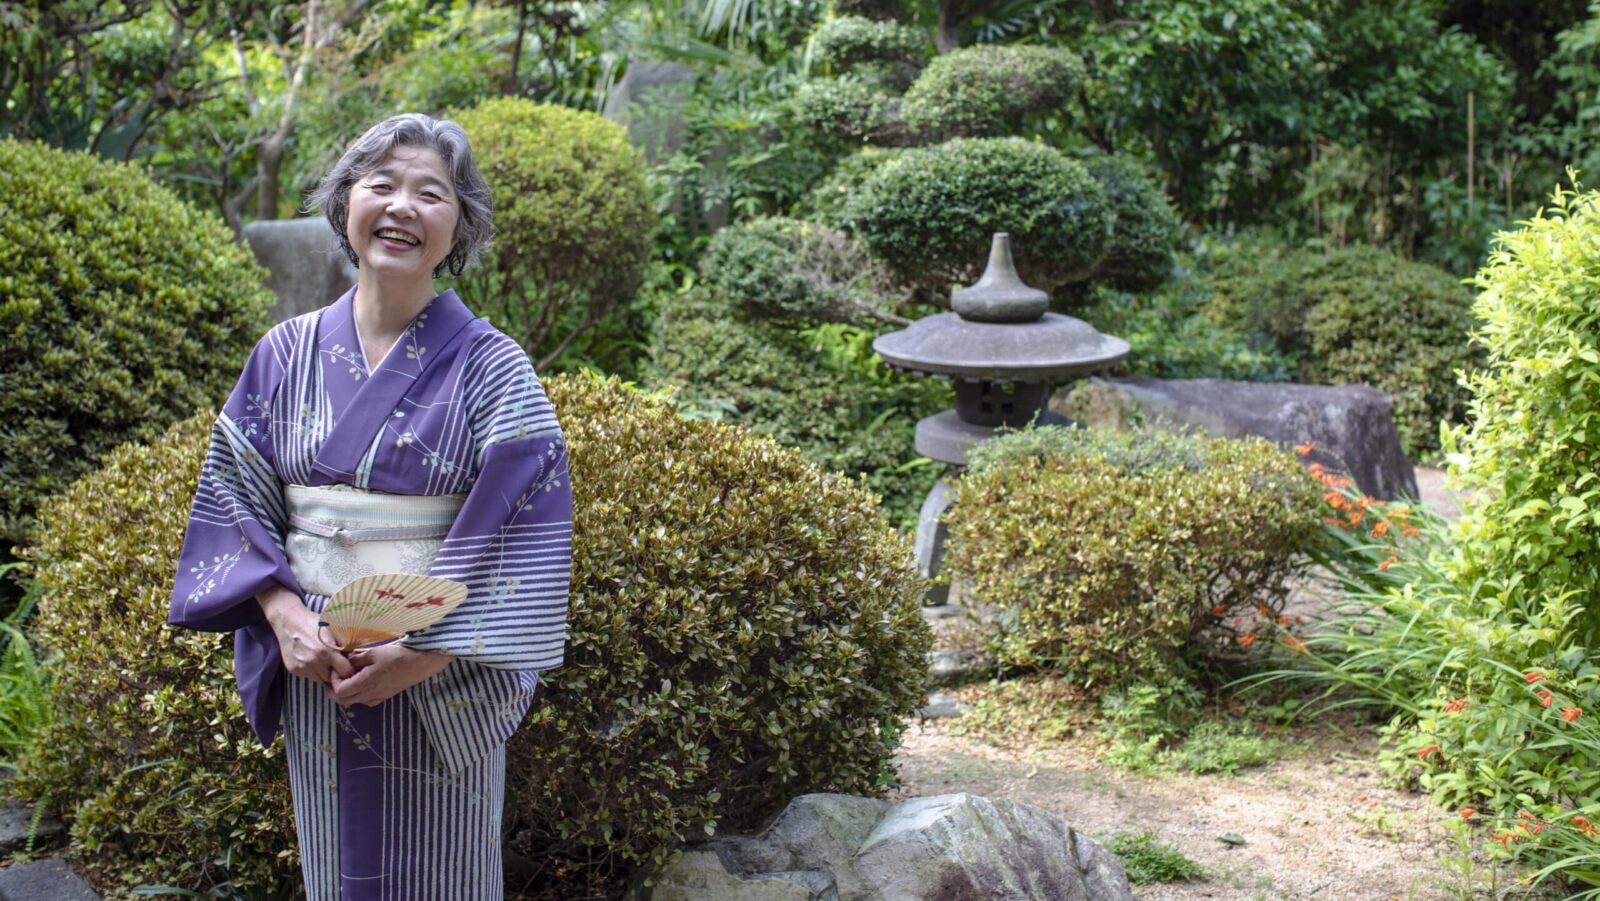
441,323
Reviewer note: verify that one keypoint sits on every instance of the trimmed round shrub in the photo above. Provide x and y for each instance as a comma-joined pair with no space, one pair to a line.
122,308
989,90
879,10
777,268
574,223
828,202
820,390
1144,226
1357,315
888,50
1125,557
931,212
1171,337
744,628
848,109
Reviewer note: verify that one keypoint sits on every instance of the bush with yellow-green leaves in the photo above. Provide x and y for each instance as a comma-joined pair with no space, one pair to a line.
744,628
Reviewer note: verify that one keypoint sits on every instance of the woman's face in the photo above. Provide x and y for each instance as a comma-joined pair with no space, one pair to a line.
403,214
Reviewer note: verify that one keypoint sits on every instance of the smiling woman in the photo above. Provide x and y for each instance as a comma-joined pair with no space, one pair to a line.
390,433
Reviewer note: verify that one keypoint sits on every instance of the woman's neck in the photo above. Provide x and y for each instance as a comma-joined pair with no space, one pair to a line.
383,310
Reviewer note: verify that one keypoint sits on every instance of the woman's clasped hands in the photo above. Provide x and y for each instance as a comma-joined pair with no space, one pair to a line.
369,675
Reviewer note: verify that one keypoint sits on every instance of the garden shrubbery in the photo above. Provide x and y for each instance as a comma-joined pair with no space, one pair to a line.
574,223
122,309
1359,315
777,268
890,52
744,628
988,90
1122,558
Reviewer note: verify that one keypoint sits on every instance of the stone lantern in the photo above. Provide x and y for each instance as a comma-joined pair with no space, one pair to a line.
1005,352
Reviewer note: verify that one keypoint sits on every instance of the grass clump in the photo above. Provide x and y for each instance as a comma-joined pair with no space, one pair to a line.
1146,859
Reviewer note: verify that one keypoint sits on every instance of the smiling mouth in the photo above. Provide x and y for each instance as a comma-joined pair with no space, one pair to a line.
391,234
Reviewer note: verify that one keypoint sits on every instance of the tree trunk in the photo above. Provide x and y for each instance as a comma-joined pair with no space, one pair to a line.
269,160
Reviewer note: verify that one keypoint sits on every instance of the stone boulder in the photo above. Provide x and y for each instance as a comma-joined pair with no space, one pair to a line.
307,270
1352,426
943,848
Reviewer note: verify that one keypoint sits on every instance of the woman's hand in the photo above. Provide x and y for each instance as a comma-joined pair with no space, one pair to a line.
304,652
383,672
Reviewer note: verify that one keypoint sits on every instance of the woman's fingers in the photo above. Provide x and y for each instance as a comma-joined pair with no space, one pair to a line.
341,664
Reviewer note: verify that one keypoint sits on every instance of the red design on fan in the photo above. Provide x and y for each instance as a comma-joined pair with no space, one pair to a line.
436,601
389,593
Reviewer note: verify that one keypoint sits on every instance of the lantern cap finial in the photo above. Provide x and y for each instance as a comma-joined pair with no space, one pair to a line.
999,295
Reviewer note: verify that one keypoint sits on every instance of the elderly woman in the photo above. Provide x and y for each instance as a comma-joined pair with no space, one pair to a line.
389,432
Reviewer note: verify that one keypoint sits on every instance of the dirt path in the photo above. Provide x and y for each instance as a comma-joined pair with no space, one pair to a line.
1317,824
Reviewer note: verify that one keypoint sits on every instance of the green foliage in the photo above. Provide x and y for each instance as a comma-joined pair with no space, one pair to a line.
989,90
1149,860
687,522
1156,727
148,743
121,309
1530,531
846,109
671,671
24,688
778,268
1121,557
821,390
888,51
573,220
931,212
829,202
1144,228
1171,337
1359,315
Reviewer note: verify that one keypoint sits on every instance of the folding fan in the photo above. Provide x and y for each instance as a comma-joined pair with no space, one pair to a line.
385,606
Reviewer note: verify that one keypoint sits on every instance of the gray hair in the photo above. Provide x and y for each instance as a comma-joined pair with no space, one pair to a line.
368,152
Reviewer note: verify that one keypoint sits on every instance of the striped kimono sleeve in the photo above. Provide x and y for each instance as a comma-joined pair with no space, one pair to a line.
233,545
511,545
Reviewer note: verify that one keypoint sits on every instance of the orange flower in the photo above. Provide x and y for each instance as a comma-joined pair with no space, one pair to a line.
1334,499
1219,609
1355,517
1304,449
1388,563
1381,529
1545,697
1571,713
1316,470
1247,639
1456,706
1506,838
1584,826
1332,521
1264,610
1533,677
1427,752
1294,644
1468,813
1410,531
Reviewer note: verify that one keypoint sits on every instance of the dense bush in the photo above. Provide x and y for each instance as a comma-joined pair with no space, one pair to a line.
1122,558
1535,433
1144,227
821,390
930,212
989,89
121,310
574,223
1171,337
1359,315
848,109
776,268
743,628
889,51
829,201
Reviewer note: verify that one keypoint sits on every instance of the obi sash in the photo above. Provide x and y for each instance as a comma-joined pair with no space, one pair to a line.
338,533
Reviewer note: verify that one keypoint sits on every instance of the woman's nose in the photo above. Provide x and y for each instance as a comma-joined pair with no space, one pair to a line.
400,204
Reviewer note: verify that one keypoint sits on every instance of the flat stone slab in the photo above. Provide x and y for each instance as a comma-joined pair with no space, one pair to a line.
950,667
941,706
44,880
16,824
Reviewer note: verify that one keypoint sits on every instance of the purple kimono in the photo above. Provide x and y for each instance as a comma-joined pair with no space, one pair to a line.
455,408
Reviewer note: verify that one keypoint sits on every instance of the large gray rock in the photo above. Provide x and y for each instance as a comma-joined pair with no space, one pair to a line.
307,270
942,848
43,880
1351,425
18,830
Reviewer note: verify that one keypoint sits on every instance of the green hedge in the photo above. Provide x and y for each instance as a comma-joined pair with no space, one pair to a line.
1144,227
1356,315
574,222
988,90
930,212
847,109
683,702
828,202
1121,558
777,268
886,51
121,310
